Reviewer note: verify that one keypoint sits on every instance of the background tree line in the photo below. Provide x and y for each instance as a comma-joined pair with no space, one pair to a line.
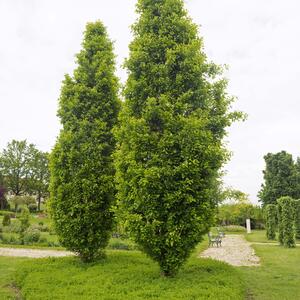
24,172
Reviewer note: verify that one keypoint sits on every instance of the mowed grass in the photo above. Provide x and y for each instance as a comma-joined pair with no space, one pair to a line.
258,236
8,268
127,275
279,275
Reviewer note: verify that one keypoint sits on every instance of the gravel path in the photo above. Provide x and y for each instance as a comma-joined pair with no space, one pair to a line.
235,251
33,253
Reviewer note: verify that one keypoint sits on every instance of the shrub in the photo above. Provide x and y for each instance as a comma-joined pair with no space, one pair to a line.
8,238
121,244
32,207
271,212
81,164
10,213
297,218
6,220
233,228
31,236
24,219
15,226
286,221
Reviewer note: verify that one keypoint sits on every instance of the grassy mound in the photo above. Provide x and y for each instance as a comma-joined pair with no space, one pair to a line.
126,275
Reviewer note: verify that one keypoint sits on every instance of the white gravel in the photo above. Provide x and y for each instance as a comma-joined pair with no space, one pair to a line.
235,250
33,253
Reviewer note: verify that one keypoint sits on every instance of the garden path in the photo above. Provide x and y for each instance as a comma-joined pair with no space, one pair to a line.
33,253
235,250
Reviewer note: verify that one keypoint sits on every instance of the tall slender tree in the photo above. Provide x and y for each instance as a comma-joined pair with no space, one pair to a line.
170,146
82,173
279,178
39,180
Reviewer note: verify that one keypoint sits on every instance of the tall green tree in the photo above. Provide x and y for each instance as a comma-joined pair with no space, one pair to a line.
82,173
270,213
297,218
15,166
40,176
279,178
170,146
286,217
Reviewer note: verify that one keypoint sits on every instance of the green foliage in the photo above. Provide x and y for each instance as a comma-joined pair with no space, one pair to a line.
32,207
17,201
31,236
297,218
234,195
82,173
3,200
237,213
24,170
170,146
271,212
40,176
6,220
279,178
24,219
286,222
233,228
15,165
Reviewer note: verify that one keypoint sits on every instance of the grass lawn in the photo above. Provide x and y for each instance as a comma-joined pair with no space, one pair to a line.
131,275
127,275
258,236
279,275
8,268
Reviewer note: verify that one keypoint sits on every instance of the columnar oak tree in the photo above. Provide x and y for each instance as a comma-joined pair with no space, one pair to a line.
170,146
286,215
82,173
279,178
271,212
297,218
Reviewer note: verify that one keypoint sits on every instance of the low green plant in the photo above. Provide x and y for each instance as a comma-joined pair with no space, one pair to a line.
31,236
24,219
270,213
127,275
121,244
32,207
233,228
6,220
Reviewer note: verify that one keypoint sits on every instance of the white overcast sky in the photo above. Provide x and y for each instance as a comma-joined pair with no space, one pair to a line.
258,40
